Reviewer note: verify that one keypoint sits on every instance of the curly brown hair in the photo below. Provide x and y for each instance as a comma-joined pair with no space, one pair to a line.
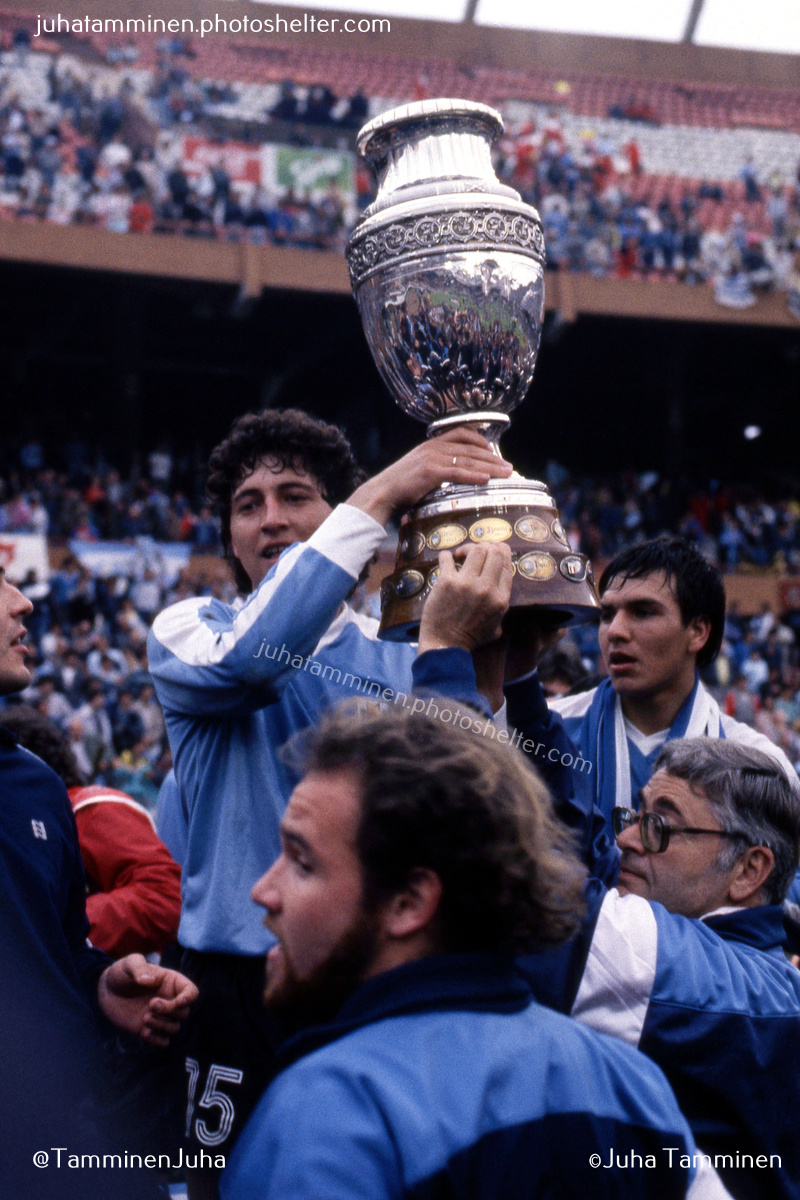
473,811
287,438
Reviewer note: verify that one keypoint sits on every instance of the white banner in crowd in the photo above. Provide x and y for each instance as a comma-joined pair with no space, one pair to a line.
121,558
24,552
305,170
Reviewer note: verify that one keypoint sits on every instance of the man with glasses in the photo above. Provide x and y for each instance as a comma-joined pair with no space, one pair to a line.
684,958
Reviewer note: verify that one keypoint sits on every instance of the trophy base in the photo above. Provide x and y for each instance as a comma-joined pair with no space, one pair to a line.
548,574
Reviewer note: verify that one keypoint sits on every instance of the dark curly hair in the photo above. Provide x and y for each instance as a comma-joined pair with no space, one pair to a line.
473,811
44,738
286,438
695,582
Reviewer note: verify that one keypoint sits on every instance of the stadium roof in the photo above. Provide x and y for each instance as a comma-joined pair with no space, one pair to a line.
768,25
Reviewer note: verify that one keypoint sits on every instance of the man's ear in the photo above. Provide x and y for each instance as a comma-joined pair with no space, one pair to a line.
415,909
699,629
751,873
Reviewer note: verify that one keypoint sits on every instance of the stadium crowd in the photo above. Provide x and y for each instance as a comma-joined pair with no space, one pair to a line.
96,153
89,629
78,494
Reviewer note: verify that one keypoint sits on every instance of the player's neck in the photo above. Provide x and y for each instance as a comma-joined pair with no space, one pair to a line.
652,712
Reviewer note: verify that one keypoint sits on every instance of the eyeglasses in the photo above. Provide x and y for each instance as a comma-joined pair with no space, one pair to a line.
654,830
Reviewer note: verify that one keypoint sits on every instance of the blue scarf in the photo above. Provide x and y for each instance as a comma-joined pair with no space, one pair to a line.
618,762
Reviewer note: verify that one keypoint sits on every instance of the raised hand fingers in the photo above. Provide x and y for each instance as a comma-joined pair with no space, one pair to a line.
490,561
467,457
459,456
501,568
467,604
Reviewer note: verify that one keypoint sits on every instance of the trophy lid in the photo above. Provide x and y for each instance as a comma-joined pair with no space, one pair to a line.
383,132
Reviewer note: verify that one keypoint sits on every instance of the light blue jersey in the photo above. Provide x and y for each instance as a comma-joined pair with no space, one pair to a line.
236,682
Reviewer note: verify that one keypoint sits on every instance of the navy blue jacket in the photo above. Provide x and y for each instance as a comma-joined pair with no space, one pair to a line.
569,776
50,1034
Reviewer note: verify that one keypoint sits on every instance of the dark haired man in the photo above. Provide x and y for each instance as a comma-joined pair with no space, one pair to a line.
58,991
662,617
313,469
235,682
417,858
685,960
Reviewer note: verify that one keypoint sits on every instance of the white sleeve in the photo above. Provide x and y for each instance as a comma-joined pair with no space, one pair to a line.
617,983
209,658
707,1184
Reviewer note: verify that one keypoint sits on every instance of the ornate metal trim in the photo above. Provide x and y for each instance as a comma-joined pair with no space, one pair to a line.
484,229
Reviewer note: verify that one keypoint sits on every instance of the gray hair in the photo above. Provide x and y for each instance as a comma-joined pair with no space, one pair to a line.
751,796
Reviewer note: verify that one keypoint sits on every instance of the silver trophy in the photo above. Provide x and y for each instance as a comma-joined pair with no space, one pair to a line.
447,268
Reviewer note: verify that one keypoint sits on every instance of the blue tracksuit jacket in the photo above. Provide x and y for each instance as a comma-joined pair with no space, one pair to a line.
444,1079
237,682
714,1002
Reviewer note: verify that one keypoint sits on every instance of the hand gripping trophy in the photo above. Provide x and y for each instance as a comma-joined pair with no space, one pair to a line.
447,267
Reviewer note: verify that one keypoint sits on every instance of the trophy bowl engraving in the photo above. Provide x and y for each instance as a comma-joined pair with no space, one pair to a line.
455,332
447,264
447,268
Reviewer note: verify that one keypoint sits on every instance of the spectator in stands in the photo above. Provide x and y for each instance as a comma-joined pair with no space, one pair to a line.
129,621
128,727
742,705
51,702
777,210
205,532
160,465
319,106
147,593
356,112
764,720
755,670
749,177
287,107
95,728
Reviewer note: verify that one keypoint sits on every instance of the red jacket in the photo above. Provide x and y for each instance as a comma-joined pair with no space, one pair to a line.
134,900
